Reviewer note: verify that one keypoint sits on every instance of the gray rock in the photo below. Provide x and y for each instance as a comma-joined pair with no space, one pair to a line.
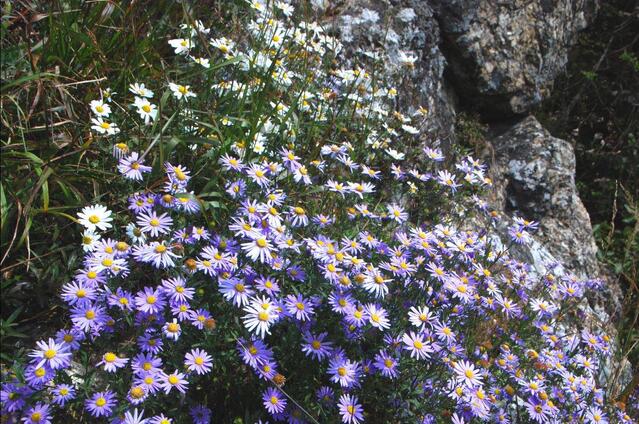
409,26
505,55
499,58
534,176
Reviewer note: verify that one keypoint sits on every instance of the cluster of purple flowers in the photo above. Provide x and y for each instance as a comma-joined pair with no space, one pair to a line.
359,288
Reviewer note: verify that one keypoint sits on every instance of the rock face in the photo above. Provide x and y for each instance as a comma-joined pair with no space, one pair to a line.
498,58
411,27
505,55
534,175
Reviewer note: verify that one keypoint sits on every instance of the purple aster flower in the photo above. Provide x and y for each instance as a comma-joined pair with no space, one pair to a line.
160,419
101,404
325,395
150,343
132,167
178,175
343,371
200,317
138,203
78,292
417,346
201,414
154,225
62,393
174,380
188,203
121,299
150,382
11,397
159,254
259,248
377,316
38,414
315,346
322,220
268,285
236,290
266,369
199,361
519,235
386,364
150,300
71,338
112,362
181,310
176,289
274,401
143,363
88,317
296,273
350,410
254,351
200,233
299,307
54,355
538,410
258,173
236,189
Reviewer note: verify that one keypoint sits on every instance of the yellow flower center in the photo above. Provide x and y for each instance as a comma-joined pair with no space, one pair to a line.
49,353
173,327
136,392
94,219
173,379
109,357
90,314
160,248
100,402
262,316
261,242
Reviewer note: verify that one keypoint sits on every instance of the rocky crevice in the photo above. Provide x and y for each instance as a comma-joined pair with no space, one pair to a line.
498,59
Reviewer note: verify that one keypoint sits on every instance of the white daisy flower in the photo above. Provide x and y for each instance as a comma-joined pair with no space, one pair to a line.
89,240
140,90
100,108
95,217
181,45
104,127
181,91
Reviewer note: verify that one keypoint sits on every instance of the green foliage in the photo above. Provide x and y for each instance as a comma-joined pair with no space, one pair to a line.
595,106
54,54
